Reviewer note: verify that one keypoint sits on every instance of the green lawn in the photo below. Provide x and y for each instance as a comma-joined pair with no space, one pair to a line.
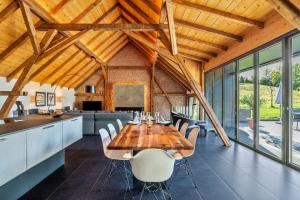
266,111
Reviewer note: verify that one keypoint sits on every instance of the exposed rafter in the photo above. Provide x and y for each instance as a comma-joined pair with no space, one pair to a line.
227,15
208,29
10,9
86,11
217,46
171,25
30,26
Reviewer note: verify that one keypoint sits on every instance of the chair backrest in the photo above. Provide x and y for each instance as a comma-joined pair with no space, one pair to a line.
120,124
184,128
152,165
112,130
177,124
105,140
193,139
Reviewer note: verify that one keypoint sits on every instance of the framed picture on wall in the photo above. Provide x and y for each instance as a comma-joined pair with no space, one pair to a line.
40,99
50,99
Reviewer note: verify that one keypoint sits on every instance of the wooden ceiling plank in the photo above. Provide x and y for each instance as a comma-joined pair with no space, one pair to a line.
117,50
17,43
8,11
78,70
88,75
68,72
102,27
218,46
86,11
56,70
227,15
84,72
208,29
171,25
30,26
46,64
287,10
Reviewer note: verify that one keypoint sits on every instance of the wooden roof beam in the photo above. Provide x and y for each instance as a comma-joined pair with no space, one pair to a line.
102,27
189,48
227,15
192,57
30,26
8,11
47,39
287,10
171,25
59,6
199,27
217,46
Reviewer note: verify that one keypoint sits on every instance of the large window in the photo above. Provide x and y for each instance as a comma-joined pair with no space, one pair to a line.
229,99
257,99
295,136
270,100
246,100
217,93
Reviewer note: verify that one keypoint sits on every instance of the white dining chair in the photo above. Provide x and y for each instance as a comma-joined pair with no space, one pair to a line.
183,155
112,130
183,128
153,167
177,124
115,157
120,124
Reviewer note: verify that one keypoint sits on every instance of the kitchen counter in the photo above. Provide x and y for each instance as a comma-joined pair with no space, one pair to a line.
31,121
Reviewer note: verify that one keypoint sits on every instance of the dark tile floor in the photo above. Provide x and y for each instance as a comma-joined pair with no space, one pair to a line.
220,173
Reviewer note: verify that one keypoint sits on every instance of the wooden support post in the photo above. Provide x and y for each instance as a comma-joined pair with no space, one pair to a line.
203,101
163,91
10,93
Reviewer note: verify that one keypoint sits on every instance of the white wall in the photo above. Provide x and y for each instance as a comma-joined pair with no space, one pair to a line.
68,97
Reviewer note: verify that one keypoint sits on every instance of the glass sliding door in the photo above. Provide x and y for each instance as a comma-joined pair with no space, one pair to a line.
217,93
270,100
246,100
209,89
295,135
229,100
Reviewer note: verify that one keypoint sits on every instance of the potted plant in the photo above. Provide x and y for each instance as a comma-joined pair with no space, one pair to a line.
248,100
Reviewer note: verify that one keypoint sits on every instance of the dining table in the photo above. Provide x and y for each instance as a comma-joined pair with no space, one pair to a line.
137,137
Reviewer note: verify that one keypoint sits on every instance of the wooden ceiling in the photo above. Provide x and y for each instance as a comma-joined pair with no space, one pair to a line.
204,28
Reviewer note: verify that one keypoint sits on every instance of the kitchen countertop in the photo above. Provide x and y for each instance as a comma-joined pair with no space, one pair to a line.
32,121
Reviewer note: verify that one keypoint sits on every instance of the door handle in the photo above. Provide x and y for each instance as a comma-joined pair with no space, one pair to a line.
72,120
46,127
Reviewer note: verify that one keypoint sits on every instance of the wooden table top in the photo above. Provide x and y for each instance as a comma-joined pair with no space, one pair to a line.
139,137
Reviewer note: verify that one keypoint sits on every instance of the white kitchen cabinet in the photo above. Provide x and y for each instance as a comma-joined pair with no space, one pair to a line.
43,142
12,156
72,131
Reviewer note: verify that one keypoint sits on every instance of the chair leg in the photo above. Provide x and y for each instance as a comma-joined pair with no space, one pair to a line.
143,190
